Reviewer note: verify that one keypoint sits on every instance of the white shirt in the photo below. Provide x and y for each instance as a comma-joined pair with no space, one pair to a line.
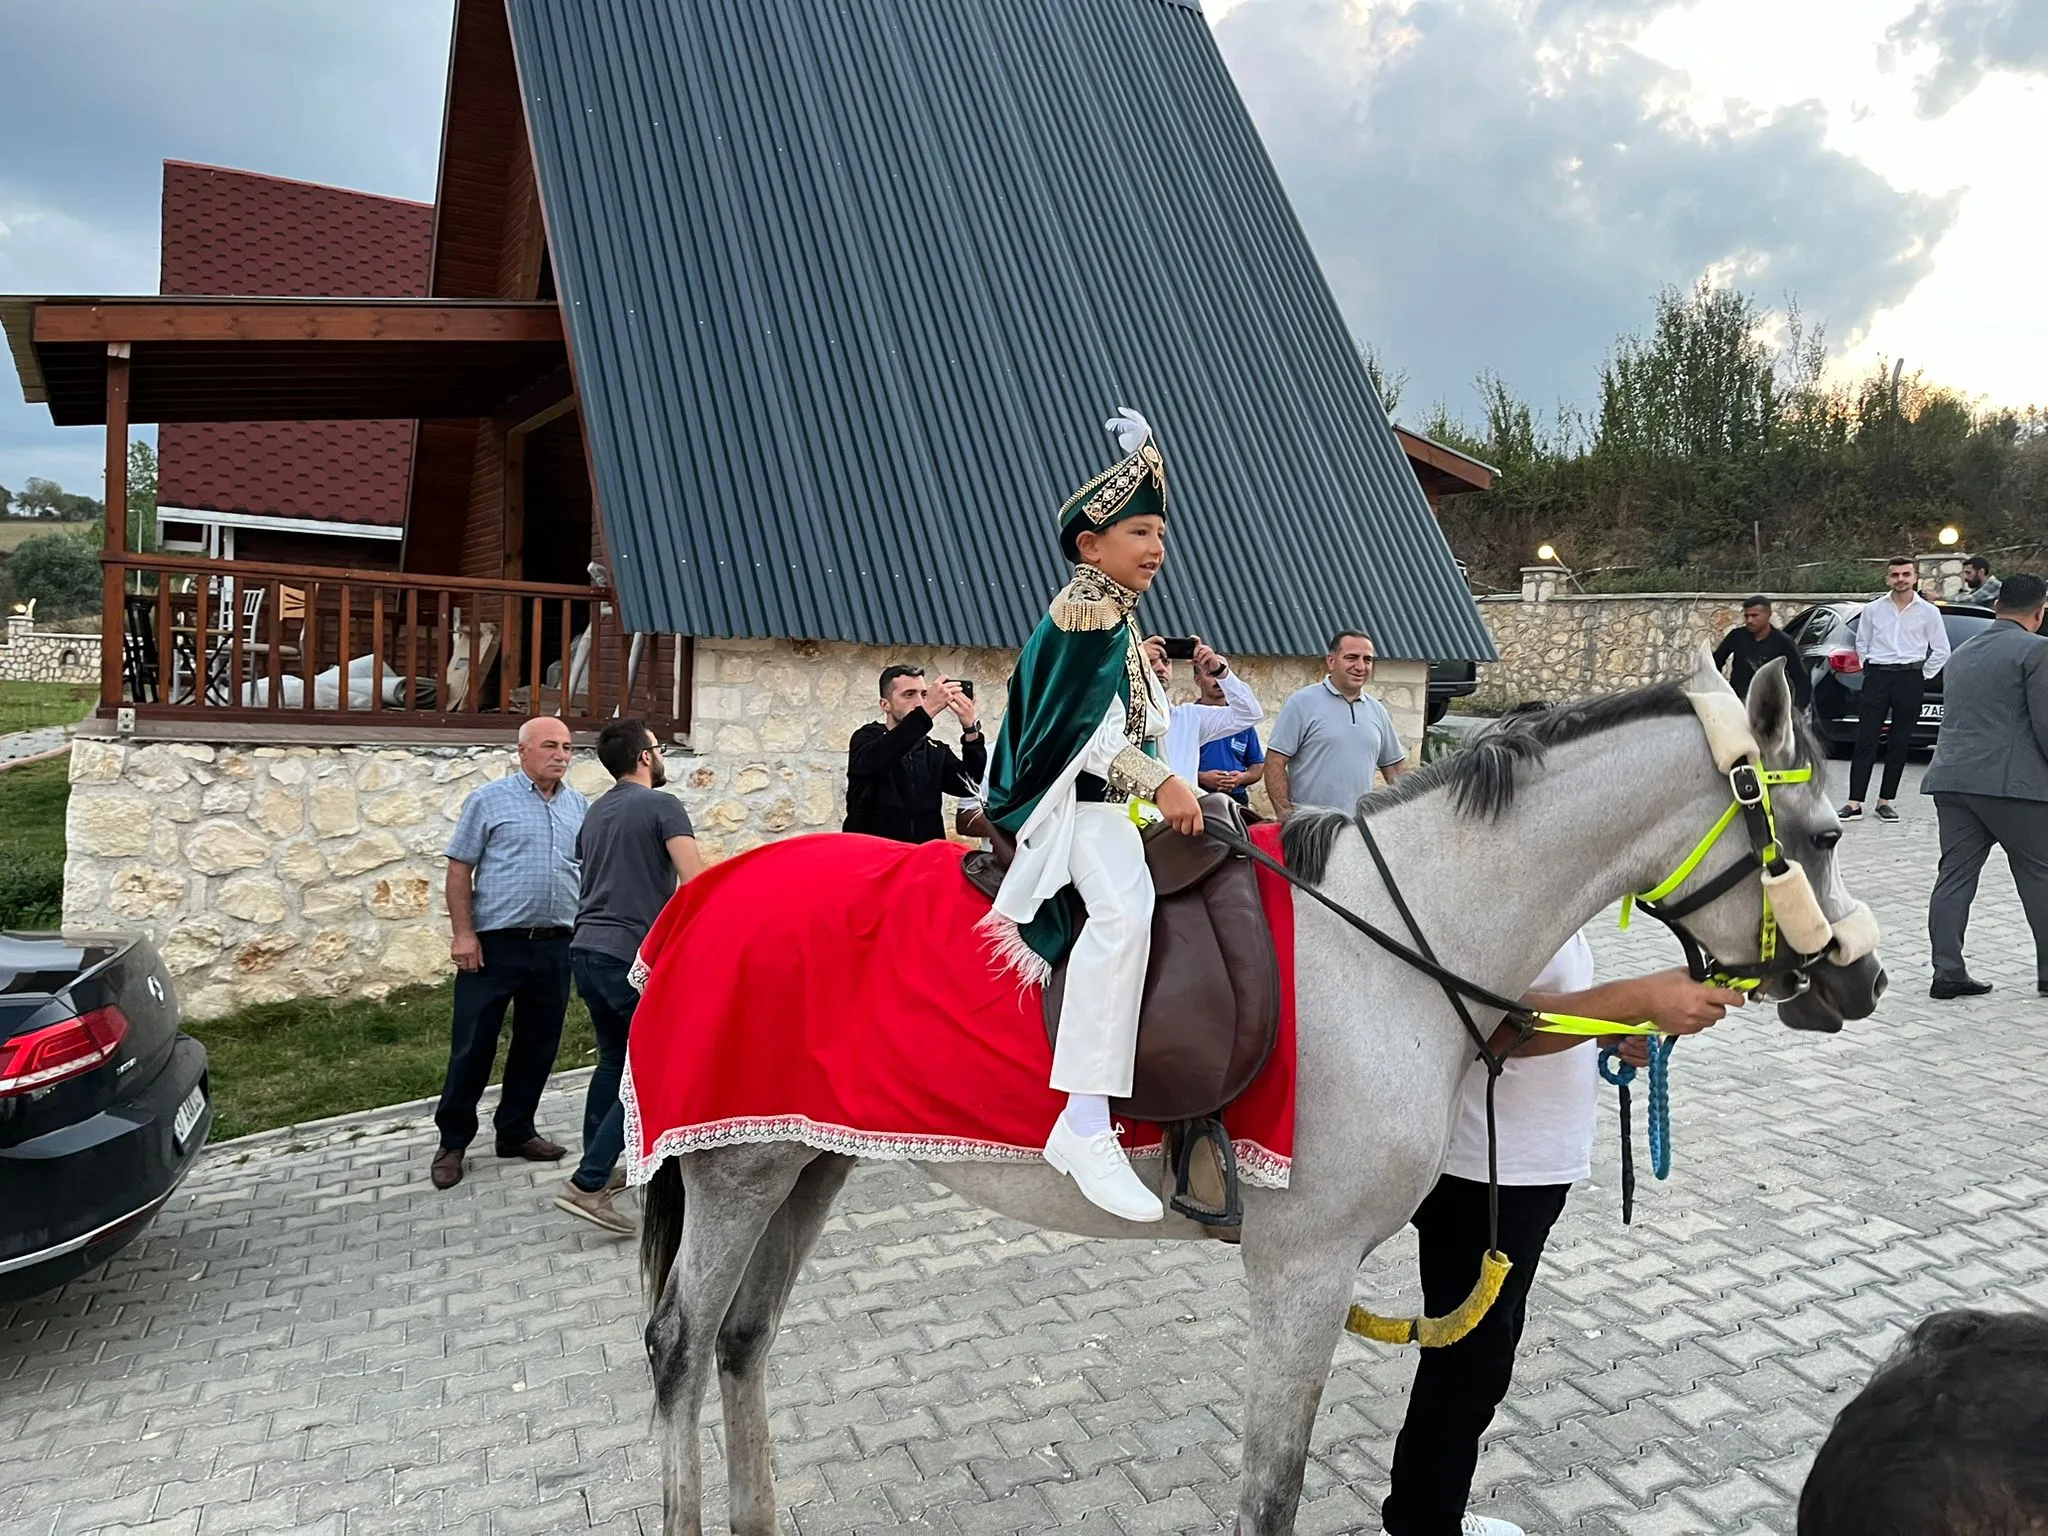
1192,727
1893,636
1544,1106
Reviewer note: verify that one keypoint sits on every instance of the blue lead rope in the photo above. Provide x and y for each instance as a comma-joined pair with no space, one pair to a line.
1621,1074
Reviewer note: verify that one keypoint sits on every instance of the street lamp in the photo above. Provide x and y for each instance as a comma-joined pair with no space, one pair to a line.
1546,553
1949,537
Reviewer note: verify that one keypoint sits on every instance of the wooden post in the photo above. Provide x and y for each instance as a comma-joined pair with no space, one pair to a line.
112,585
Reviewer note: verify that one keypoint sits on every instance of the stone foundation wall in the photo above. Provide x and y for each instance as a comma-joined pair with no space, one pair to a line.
268,873
1560,646
773,717
32,657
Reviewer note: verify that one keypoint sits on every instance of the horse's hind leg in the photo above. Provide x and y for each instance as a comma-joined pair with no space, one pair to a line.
751,1323
730,1196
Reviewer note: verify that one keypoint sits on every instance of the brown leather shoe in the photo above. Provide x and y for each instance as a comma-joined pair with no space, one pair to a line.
447,1170
617,1181
535,1149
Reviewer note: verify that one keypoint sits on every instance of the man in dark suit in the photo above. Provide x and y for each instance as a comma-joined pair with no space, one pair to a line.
1989,779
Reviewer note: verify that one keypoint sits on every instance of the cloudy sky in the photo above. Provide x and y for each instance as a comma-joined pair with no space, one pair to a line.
1490,184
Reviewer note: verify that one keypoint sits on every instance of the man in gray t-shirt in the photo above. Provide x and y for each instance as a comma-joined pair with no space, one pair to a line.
1333,736
636,845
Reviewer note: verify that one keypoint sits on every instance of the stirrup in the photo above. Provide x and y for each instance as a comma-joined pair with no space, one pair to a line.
1187,1136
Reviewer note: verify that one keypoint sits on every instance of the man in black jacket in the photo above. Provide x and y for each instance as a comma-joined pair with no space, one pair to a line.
1757,641
896,775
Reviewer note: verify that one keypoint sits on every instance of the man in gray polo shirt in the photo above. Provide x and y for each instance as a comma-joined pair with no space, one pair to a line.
1333,735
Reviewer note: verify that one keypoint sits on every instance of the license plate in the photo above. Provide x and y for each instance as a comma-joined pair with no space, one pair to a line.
1930,712
188,1116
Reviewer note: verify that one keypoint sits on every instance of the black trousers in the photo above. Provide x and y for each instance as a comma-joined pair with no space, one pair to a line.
1457,1388
1970,824
532,976
1887,691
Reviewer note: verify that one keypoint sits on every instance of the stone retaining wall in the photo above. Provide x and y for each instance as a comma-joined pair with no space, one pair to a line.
1561,645
268,873
32,657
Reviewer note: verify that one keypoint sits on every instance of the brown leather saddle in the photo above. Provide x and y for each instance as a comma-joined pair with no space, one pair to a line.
1211,1007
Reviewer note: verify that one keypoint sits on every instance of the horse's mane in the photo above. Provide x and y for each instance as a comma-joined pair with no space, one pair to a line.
1482,776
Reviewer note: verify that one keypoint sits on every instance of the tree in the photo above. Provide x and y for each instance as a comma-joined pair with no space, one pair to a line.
59,571
141,497
41,498
46,498
6,502
1387,382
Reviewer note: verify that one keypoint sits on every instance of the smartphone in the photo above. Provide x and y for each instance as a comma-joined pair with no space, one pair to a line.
1180,647
964,684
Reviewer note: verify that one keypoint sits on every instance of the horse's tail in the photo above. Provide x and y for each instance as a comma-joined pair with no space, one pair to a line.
661,1227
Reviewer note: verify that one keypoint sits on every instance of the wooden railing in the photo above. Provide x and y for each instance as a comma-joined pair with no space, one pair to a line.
238,641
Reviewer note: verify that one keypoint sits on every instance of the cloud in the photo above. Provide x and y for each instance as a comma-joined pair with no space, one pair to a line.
1499,185
1971,38
101,92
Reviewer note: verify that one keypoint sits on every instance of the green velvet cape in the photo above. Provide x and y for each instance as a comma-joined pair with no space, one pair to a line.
1063,685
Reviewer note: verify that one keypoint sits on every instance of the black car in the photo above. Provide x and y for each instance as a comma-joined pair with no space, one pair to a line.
104,1101
1826,637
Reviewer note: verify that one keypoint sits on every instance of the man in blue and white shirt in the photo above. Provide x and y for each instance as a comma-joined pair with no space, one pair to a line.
513,888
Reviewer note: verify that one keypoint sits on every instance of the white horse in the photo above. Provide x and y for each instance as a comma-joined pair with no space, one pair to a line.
1502,851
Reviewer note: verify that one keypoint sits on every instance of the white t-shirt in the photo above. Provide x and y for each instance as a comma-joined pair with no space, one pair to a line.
1544,1106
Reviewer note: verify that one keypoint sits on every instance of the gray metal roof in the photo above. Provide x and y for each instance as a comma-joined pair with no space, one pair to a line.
851,285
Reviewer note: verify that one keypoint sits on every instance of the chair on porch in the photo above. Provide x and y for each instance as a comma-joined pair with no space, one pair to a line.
138,648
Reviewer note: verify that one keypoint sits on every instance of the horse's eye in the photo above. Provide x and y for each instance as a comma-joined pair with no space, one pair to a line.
1828,839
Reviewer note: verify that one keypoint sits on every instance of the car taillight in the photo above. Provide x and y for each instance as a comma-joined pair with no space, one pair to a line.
1844,661
57,1051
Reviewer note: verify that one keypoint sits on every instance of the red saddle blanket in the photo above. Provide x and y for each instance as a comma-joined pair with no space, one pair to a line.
832,990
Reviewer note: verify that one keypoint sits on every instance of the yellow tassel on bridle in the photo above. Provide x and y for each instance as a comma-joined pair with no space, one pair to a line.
1435,1332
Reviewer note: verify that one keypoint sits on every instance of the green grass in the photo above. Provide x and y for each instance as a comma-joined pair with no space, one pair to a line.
31,706
32,799
277,1063
17,531
287,1063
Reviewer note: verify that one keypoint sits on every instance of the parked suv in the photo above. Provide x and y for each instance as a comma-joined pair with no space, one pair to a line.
1826,637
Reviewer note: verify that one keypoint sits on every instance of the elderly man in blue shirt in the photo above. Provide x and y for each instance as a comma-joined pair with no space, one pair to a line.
513,887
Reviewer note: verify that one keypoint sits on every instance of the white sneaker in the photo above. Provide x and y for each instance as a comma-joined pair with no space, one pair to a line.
1098,1165
1482,1525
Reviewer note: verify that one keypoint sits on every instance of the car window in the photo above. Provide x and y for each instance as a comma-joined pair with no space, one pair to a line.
1820,623
1962,626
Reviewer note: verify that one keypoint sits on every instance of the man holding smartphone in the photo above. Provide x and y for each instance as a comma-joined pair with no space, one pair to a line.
897,777
1227,705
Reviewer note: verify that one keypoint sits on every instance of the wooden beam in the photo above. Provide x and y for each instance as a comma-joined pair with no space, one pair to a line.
279,320
539,403
113,585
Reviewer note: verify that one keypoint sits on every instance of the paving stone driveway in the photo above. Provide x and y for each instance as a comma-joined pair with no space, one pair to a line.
312,1339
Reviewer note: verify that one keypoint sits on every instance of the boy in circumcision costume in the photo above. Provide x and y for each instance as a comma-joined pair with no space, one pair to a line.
1079,742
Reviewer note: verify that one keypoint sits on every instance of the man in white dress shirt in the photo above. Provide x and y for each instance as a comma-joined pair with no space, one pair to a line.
1902,643
1191,727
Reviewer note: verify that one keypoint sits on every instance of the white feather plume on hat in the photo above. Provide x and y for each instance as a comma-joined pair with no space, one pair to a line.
1130,430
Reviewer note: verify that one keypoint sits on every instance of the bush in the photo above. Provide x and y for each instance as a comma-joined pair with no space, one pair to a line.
60,572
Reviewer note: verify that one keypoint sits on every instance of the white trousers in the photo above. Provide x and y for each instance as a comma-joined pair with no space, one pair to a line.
1106,970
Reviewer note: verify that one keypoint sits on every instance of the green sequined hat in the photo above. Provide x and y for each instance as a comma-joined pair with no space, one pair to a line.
1134,486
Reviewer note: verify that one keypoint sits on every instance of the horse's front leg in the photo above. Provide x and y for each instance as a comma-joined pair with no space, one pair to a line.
1298,1299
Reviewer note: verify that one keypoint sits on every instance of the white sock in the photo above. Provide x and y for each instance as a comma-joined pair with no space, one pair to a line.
1087,1114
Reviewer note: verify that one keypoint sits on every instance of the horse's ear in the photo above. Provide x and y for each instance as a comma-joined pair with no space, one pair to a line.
1706,677
1770,713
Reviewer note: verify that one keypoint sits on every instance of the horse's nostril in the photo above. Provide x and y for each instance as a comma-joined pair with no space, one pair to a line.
1877,987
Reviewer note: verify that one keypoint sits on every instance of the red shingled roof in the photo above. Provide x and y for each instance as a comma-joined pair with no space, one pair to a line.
237,232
